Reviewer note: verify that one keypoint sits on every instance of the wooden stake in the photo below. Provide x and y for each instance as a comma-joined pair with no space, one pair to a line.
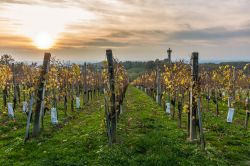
29,117
40,94
111,76
158,84
194,96
247,111
247,118
169,51
202,139
14,86
85,84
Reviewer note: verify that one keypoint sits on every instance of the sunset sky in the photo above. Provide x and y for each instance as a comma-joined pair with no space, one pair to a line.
81,30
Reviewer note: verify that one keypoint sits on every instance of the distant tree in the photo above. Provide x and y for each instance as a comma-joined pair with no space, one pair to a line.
150,65
34,64
6,59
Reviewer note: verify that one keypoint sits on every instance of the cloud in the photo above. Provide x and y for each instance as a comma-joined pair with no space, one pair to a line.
214,33
16,1
131,25
98,42
14,41
120,34
111,38
103,42
31,1
139,38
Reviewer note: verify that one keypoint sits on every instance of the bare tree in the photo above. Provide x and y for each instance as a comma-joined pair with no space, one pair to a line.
6,59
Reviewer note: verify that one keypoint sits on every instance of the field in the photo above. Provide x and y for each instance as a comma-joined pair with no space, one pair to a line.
124,83
146,136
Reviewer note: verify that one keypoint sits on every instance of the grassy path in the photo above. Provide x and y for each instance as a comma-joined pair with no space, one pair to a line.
146,136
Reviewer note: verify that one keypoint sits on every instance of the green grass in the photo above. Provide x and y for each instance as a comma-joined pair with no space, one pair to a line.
145,136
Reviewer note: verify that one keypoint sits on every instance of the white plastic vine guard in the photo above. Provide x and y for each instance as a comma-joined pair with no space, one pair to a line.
247,100
230,115
78,102
53,116
168,108
25,106
10,110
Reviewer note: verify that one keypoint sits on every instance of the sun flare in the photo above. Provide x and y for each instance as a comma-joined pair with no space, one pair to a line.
43,41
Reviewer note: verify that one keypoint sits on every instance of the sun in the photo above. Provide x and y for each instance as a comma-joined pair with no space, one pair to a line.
43,41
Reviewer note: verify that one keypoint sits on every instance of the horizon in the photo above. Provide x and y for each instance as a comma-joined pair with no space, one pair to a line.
134,30
175,60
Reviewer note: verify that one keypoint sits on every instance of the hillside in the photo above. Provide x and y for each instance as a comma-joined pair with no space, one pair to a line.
137,68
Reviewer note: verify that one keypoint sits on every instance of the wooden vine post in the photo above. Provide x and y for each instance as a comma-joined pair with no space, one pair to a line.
194,96
72,97
169,51
158,83
41,94
85,86
5,95
65,98
202,138
247,110
234,81
29,117
112,113
247,118
217,102
188,114
14,85
99,81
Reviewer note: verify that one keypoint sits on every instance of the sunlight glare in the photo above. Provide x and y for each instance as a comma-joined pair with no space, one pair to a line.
31,20
43,41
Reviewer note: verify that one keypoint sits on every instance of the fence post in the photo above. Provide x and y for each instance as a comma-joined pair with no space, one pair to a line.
194,96
40,94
